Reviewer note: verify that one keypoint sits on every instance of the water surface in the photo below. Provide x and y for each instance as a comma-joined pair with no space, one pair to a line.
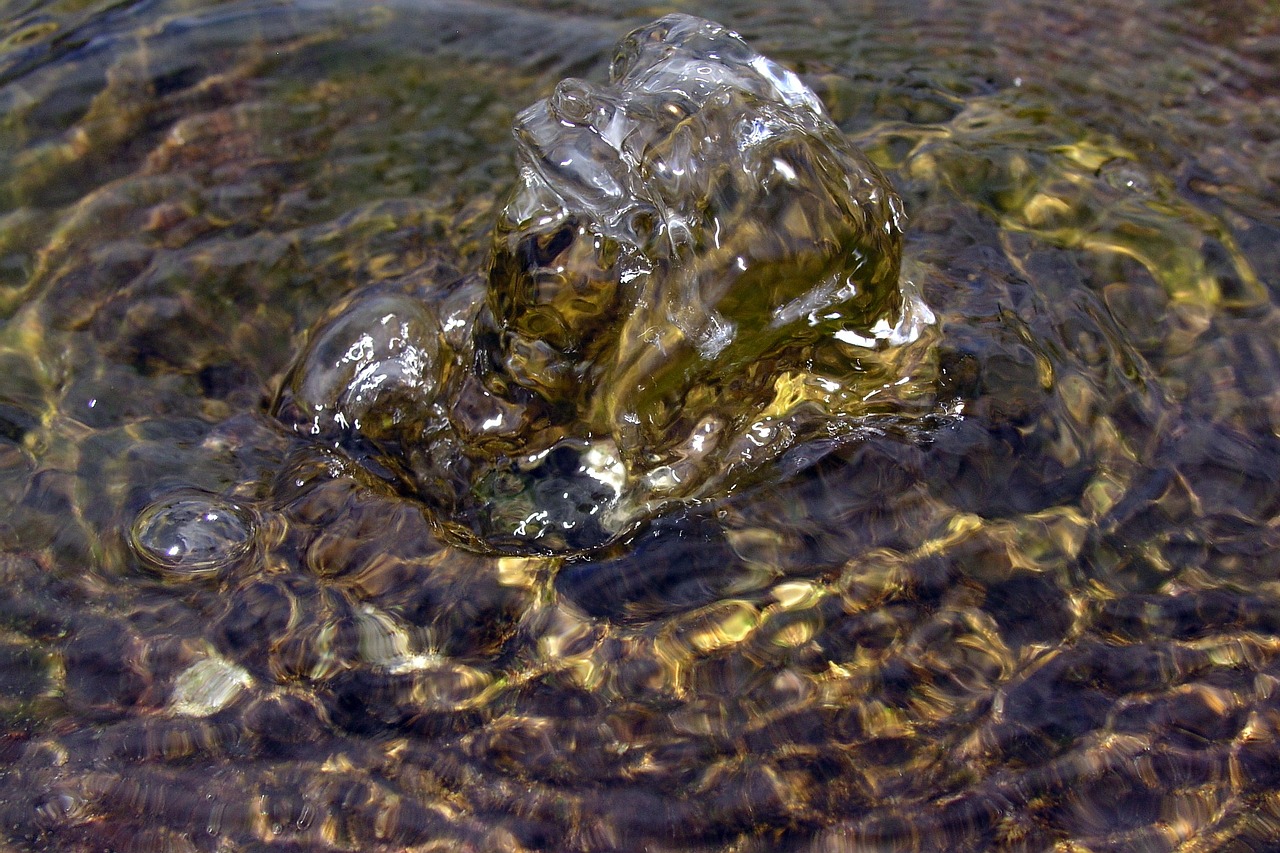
1051,623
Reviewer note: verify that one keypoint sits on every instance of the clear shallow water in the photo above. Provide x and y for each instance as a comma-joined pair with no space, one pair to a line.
1053,623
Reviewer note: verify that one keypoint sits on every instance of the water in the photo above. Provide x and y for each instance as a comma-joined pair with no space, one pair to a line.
1049,621
695,277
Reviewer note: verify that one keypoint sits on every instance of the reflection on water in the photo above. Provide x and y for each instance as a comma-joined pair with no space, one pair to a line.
1050,623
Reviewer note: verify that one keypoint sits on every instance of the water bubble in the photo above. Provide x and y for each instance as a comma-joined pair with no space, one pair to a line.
192,533
691,242
727,214
573,101
373,368
1126,175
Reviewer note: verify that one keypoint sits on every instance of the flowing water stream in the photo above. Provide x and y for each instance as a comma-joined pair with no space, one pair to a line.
979,554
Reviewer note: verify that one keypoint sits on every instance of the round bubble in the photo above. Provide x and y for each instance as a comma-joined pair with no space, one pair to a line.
373,368
695,271
695,225
192,534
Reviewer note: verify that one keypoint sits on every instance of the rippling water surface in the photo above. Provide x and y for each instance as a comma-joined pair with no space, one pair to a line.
1052,623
